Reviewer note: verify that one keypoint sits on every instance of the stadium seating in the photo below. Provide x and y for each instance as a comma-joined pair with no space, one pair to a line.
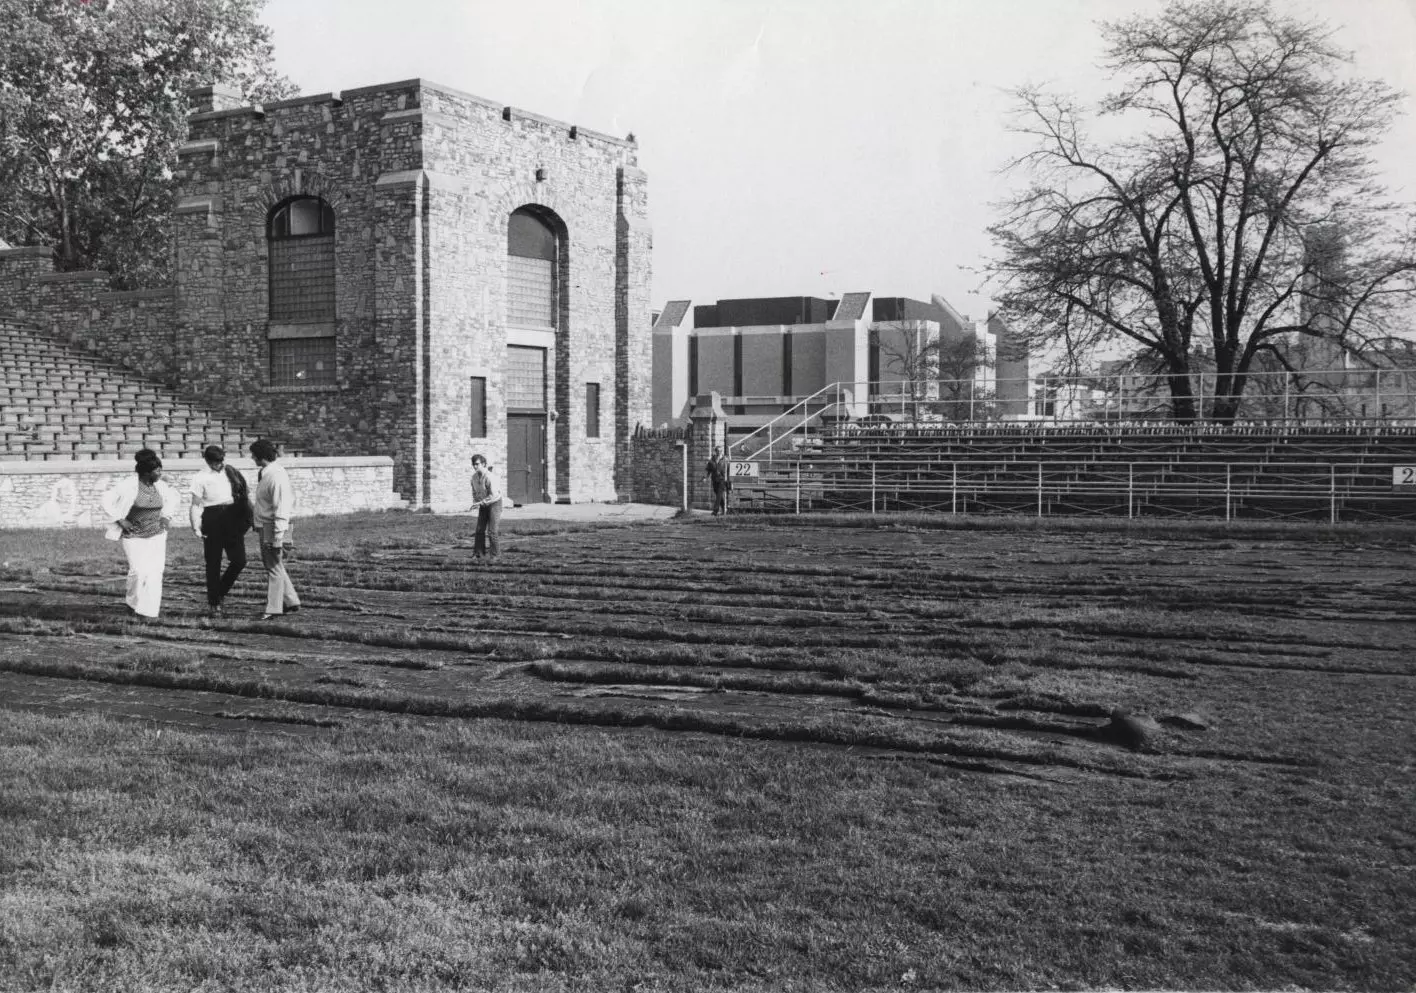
1334,472
60,403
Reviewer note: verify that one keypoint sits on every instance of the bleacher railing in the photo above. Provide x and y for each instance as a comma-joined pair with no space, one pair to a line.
1307,397
1171,487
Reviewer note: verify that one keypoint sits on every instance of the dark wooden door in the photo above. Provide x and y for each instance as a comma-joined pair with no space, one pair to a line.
526,458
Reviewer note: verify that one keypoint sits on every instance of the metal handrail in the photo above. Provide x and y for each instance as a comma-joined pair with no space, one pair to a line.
791,411
1325,486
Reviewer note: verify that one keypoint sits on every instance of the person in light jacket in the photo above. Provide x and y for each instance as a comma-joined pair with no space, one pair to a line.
141,507
273,504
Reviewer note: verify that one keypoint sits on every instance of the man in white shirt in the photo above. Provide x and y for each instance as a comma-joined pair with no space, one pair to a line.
273,506
487,498
220,517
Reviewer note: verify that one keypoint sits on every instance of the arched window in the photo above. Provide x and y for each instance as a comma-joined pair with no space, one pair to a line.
300,236
302,261
532,272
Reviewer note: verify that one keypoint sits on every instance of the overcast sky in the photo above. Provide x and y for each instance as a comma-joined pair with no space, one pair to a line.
794,147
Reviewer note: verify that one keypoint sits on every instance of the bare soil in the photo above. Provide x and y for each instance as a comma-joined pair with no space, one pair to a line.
999,646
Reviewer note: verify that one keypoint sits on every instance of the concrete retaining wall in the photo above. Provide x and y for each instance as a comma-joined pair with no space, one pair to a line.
66,494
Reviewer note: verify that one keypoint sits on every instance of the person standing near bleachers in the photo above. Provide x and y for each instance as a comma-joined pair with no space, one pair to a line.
141,507
273,506
221,516
717,473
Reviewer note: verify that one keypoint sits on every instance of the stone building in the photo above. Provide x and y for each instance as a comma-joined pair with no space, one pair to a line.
400,270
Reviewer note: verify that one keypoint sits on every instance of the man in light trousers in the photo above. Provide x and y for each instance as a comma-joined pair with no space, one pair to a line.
273,504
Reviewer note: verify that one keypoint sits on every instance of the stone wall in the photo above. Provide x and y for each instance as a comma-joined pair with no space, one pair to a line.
482,162
66,494
658,460
134,329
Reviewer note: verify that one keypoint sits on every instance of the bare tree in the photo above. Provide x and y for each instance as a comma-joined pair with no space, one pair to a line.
1238,208
906,351
959,362
935,371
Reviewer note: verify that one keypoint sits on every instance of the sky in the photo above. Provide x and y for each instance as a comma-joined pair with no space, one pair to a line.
793,147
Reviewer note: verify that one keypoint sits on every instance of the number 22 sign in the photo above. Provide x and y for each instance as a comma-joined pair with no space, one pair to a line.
1403,477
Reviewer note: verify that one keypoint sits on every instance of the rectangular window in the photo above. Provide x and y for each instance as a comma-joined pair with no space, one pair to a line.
530,292
525,378
302,280
479,407
302,362
592,410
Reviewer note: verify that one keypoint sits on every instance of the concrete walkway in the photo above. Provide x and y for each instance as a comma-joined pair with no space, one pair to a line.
626,512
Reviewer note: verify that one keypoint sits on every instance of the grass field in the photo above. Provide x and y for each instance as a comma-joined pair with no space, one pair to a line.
758,755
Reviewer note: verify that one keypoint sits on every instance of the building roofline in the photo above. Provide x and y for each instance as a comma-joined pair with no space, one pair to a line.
419,83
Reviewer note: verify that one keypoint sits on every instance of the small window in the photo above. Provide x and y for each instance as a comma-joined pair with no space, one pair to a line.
479,407
302,362
592,410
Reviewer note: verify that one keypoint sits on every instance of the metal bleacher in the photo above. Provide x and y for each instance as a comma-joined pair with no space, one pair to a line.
1330,472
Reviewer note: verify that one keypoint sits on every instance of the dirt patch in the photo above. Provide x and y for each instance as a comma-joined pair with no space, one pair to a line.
971,644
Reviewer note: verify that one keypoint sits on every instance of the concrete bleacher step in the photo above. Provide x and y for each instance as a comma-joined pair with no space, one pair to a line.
57,402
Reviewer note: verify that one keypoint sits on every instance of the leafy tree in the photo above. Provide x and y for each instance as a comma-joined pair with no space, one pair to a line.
93,106
1222,195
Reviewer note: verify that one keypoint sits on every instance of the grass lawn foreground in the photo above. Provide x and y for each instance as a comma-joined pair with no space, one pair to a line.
825,754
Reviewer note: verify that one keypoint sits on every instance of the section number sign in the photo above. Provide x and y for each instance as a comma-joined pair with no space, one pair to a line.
1403,477
743,468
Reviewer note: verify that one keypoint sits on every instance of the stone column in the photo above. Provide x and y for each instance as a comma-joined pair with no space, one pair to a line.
401,329
708,428
199,308
214,98
633,319
19,269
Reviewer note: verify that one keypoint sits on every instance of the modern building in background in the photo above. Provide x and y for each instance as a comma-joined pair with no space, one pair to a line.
763,355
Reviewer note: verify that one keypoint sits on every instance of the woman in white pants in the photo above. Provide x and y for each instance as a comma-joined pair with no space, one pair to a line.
141,507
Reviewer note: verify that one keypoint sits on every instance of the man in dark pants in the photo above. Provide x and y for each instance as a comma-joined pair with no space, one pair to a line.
487,498
717,473
221,516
